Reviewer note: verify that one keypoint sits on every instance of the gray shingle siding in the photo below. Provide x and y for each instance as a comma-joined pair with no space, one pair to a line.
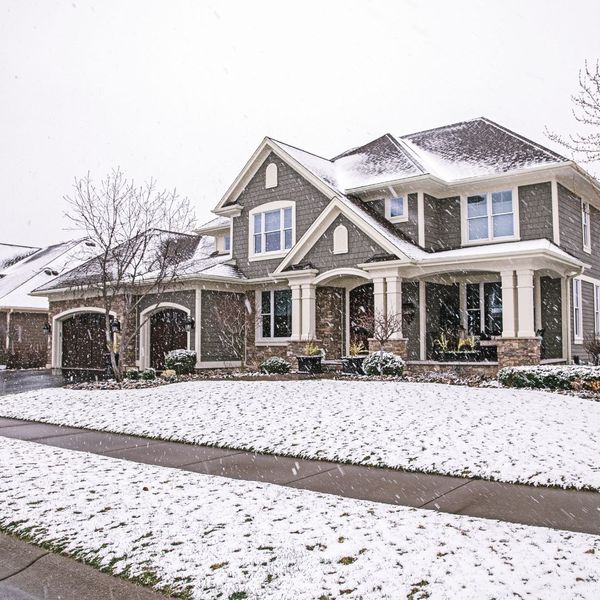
535,211
409,228
442,223
212,346
571,231
291,186
360,248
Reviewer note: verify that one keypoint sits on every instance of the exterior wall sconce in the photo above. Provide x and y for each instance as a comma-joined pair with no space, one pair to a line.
115,326
409,310
190,324
47,328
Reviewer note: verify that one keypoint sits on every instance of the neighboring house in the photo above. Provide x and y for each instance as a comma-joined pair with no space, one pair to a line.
467,229
23,340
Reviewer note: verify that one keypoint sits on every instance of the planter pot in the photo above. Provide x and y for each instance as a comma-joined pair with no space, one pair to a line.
309,364
352,365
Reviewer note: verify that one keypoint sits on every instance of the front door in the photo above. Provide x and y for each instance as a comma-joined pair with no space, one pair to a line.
167,332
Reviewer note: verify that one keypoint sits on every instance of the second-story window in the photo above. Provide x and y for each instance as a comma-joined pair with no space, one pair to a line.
272,229
396,209
490,216
585,226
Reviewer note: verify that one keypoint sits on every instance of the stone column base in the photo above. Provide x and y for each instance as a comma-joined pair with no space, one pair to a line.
515,352
398,347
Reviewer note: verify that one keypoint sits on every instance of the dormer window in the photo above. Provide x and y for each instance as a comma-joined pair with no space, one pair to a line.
223,243
272,230
396,209
271,176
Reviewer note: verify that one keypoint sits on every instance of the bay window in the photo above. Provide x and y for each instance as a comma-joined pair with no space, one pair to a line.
490,216
275,314
271,229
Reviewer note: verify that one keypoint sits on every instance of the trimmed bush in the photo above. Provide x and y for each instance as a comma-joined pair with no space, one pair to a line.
132,374
383,363
275,365
149,374
560,377
182,361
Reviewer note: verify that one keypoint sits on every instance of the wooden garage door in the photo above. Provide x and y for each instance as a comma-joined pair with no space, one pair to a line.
167,332
83,341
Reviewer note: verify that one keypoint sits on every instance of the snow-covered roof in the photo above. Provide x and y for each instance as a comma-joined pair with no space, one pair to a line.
451,153
214,225
11,254
38,269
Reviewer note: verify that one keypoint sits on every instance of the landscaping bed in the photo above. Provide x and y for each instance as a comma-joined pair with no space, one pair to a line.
200,536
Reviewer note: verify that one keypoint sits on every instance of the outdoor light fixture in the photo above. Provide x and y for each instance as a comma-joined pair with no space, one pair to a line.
47,328
409,310
189,324
115,326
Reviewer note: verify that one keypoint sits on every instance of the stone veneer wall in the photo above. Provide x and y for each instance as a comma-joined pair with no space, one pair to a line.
28,344
514,352
330,326
398,347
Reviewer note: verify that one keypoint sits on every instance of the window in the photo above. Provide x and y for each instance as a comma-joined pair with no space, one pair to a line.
271,176
272,230
227,243
585,226
597,310
484,308
395,209
490,216
577,311
276,314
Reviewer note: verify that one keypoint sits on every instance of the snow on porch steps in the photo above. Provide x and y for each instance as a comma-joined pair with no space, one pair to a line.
504,434
217,537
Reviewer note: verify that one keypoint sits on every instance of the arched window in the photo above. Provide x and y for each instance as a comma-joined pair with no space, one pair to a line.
271,176
340,240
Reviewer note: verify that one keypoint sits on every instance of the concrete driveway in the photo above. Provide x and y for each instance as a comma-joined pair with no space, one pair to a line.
13,382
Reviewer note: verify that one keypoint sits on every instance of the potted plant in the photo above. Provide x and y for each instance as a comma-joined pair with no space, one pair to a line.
310,361
352,364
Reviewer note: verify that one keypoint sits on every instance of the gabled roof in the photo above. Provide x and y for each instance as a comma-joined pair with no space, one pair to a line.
216,224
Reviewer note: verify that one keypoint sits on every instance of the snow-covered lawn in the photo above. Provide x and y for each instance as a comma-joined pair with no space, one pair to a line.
504,434
215,536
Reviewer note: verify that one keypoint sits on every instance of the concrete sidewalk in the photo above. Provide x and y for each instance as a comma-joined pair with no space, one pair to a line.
31,573
546,507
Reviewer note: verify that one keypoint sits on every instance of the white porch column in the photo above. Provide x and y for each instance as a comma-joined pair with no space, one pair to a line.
379,295
422,320
308,311
508,304
525,319
394,301
296,312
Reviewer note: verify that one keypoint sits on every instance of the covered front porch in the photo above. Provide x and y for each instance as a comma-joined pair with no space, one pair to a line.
510,311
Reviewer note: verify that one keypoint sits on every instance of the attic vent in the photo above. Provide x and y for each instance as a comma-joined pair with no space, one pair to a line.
51,272
271,176
340,240
90,243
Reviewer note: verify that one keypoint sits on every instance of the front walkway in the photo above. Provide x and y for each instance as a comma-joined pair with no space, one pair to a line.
541,506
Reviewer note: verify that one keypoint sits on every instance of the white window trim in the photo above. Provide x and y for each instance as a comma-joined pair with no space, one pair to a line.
259,340
577,292
585,212
597,310
269,206
388,209
490,240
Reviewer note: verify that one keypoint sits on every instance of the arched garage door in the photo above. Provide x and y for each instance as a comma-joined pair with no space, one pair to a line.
83,341
167,332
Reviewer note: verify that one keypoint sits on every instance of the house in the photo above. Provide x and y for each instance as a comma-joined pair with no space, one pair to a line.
468,229
23,340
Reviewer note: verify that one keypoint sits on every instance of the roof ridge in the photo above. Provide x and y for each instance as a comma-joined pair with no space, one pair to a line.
408,152
350,150
20,246
442,127
301,149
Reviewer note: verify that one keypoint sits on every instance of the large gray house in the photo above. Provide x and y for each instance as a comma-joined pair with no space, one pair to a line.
466,230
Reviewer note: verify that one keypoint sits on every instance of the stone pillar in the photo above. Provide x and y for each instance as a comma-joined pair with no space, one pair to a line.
379,300
308,311
514,352
296,312
525,304
508,304
394,301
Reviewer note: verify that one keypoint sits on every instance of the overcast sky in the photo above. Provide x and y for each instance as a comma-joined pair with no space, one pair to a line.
184,91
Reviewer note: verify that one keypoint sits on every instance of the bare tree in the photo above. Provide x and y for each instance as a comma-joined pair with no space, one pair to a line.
139,250
229,316
586,110
382,326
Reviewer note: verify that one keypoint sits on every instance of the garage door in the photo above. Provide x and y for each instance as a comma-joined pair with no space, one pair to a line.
167,332
83,341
